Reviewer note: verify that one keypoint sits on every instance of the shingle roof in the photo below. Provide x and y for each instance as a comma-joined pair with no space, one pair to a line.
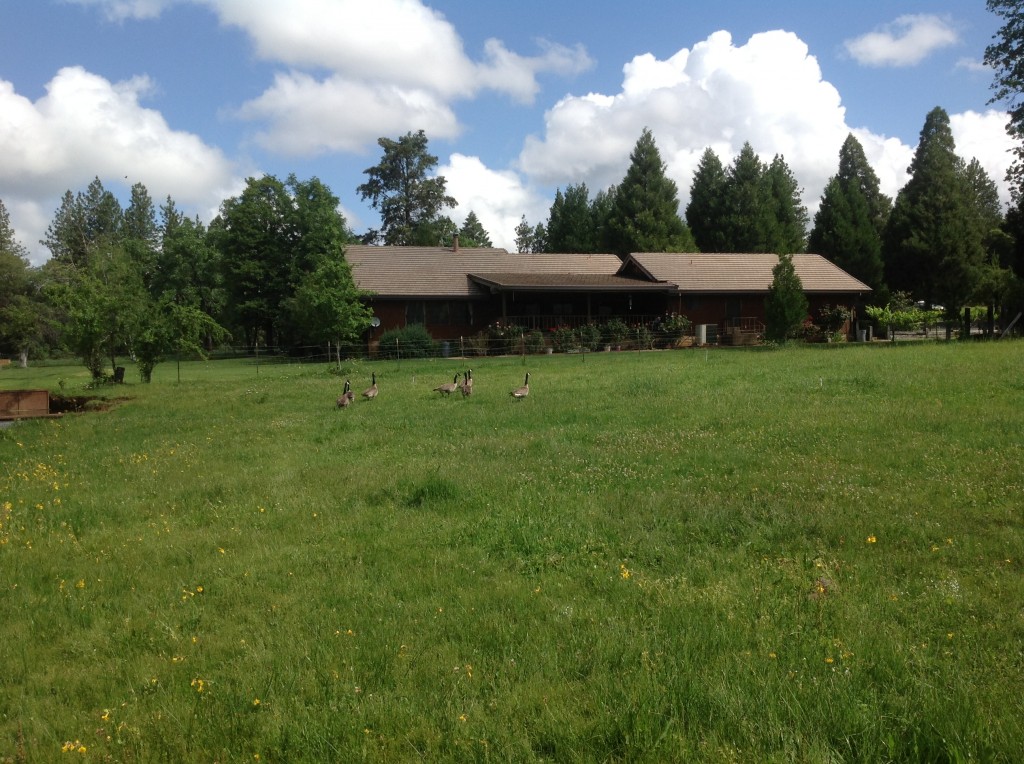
740,273
426,272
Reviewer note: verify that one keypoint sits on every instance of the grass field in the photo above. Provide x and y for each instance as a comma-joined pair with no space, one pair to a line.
808,554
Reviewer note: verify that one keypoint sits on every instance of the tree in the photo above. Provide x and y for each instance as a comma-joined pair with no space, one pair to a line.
82,222
570,225
23,314
472,233
253,235
645,213
786,304
327,305
747,209
933,243
1005,57
705,212
525,239
851,217
140,233
787,219
400,187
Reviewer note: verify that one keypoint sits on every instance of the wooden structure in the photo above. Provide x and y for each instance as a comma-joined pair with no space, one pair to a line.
25,404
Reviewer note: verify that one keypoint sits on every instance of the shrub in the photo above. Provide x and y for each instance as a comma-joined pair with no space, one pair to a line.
590,337
412,341
534,342
833,318
565,339
616,331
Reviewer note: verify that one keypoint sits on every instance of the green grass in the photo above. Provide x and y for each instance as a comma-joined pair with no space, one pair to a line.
808,554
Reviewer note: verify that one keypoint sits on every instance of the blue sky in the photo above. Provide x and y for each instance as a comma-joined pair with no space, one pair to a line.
192,96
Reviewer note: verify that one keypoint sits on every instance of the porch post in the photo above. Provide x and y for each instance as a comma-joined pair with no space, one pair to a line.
588,307
504,311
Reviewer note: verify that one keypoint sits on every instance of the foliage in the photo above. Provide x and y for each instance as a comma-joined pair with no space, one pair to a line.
705,210
615,331
472,233
934,237
565,339
903,319
833,318
570,226
1005,58
851,218
525,238
412,341
400,186
786,304
644,214
534,341
590,337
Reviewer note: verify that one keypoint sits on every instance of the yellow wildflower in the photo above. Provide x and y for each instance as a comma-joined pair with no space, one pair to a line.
872,539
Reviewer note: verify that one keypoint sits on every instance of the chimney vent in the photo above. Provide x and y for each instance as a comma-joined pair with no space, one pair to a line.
455,242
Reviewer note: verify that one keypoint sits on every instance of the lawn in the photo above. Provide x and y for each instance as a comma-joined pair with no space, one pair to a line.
804,554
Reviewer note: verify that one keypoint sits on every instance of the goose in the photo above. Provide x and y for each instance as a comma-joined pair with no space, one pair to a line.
467,383
448,387
347,396
371,392
523,391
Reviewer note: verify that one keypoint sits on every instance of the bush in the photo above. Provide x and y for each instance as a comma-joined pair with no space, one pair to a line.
565,340
590,337
412,341
535,342
505,338
615,331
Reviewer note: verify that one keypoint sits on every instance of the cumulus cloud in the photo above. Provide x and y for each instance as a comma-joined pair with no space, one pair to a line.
86,126
768,92
401,59
306,116
905,42
499,198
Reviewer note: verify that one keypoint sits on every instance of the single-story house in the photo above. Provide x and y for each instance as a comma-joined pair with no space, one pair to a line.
457,291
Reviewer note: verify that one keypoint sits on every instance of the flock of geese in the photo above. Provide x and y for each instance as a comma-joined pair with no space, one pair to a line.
466,388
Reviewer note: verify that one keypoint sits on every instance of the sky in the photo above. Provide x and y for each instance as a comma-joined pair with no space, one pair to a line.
191,97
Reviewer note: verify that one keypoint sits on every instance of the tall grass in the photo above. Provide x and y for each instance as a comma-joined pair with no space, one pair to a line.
808,554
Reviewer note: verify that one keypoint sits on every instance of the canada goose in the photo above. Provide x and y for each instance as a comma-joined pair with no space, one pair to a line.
448,387
371,392
523,391
467,383
347,396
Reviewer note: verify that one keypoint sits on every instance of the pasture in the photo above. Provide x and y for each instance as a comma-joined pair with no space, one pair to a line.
806,554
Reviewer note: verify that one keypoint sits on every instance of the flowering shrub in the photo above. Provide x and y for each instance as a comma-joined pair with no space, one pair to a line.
616,331
565,339
534,342
590,336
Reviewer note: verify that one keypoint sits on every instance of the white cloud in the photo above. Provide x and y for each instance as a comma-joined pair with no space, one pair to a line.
905,42
768,92
86,127
983,136
120,10
307,116
394,65
499,198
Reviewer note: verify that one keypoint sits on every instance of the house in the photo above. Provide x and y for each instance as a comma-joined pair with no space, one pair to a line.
457,292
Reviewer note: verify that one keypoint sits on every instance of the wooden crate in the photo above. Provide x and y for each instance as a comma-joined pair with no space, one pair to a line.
24,404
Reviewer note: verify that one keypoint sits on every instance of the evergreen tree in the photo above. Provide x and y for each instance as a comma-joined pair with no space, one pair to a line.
787,221
400,187
525,239
141,234
645,214
23,313
850,219
748,213
786,304
601,209
933,243
472,233
570,225
706,211
1005,57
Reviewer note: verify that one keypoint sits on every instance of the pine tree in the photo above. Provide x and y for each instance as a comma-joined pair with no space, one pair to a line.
570,225
933,246
409,200
472,233
786,304
525,240
851,217
787,218
706,210
748,213
645,216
